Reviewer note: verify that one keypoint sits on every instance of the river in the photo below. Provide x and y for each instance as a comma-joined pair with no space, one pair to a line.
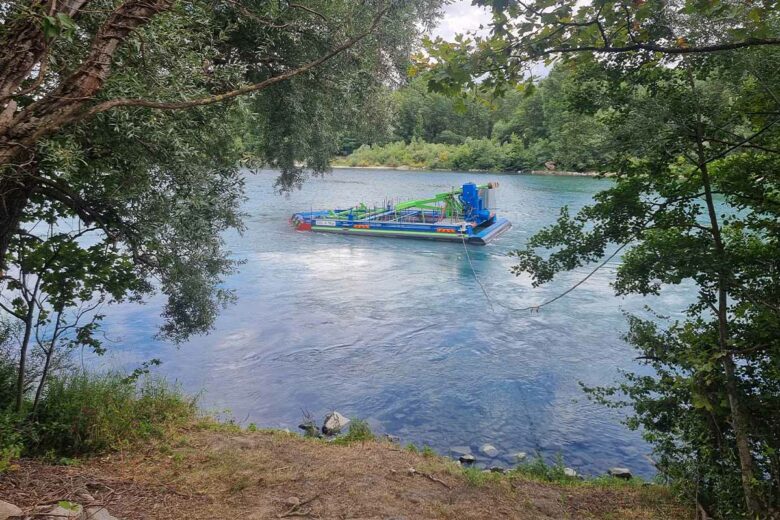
397,332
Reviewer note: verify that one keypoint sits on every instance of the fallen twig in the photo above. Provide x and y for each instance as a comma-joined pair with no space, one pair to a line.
413,471
295,510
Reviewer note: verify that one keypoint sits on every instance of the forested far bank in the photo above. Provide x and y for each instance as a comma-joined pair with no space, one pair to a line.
544,126
472,155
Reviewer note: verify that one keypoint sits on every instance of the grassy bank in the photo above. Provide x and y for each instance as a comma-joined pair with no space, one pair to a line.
160,459
217,471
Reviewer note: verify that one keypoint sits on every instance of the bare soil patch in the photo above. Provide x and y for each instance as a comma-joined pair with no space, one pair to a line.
265,475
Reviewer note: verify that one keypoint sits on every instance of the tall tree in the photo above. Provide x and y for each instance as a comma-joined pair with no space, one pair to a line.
133,119
699,103
65,63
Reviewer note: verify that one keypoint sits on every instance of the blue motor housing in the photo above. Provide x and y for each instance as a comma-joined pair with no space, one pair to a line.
474,207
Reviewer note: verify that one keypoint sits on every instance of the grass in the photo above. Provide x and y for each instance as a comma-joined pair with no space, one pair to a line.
86,414
254,474
536,470
479,477
359,431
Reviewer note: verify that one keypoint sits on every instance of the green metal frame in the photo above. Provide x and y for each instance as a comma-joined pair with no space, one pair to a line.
452,206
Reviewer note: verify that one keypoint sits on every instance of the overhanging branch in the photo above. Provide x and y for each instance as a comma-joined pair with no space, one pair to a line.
653,47
247,89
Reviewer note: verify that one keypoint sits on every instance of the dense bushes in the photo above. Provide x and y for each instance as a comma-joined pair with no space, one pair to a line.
82,414
553,121
472,154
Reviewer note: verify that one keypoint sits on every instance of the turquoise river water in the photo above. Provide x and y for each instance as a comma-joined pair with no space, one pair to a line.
397,331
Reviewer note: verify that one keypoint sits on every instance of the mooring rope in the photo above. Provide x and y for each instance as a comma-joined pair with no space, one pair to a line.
474,272
535,308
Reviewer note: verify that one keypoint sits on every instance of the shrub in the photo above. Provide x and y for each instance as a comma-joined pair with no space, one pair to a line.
85,414
359,431
471,154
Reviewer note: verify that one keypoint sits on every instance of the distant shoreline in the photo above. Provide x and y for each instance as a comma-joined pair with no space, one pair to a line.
519,172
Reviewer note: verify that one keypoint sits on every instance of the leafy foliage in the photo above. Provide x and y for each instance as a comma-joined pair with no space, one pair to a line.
86,414
684,137
689,102
621,33
359,431
516,132
126,130
687,95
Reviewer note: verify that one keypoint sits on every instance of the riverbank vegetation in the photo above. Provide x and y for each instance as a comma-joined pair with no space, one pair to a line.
84,414
206,469
536,128
691,121
143,450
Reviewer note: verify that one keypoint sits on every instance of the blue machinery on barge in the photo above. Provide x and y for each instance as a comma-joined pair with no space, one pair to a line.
463,214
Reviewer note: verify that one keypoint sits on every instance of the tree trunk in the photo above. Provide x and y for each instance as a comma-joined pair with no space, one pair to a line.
14,196
47,363
28,325
738,420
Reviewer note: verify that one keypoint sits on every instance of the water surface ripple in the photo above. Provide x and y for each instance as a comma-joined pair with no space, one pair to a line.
397,332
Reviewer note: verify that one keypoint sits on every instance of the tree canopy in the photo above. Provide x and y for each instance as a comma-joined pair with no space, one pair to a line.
124,127
688,96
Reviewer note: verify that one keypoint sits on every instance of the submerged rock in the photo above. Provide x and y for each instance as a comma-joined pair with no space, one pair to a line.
489,450
460,450
7,509
519,456
334,422
623,473
467,458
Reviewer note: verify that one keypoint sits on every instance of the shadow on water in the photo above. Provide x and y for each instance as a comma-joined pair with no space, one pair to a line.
397,332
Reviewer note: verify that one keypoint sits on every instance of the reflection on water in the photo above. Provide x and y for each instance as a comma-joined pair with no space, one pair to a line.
397,332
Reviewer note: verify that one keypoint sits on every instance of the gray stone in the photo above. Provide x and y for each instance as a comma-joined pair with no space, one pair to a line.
569,472
63,513
460,450
467,459
520,456
334,422
7,509
497,469
623,473
393,438
488,450
99,513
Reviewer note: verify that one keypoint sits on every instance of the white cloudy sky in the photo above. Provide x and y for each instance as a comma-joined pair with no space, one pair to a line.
460,17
